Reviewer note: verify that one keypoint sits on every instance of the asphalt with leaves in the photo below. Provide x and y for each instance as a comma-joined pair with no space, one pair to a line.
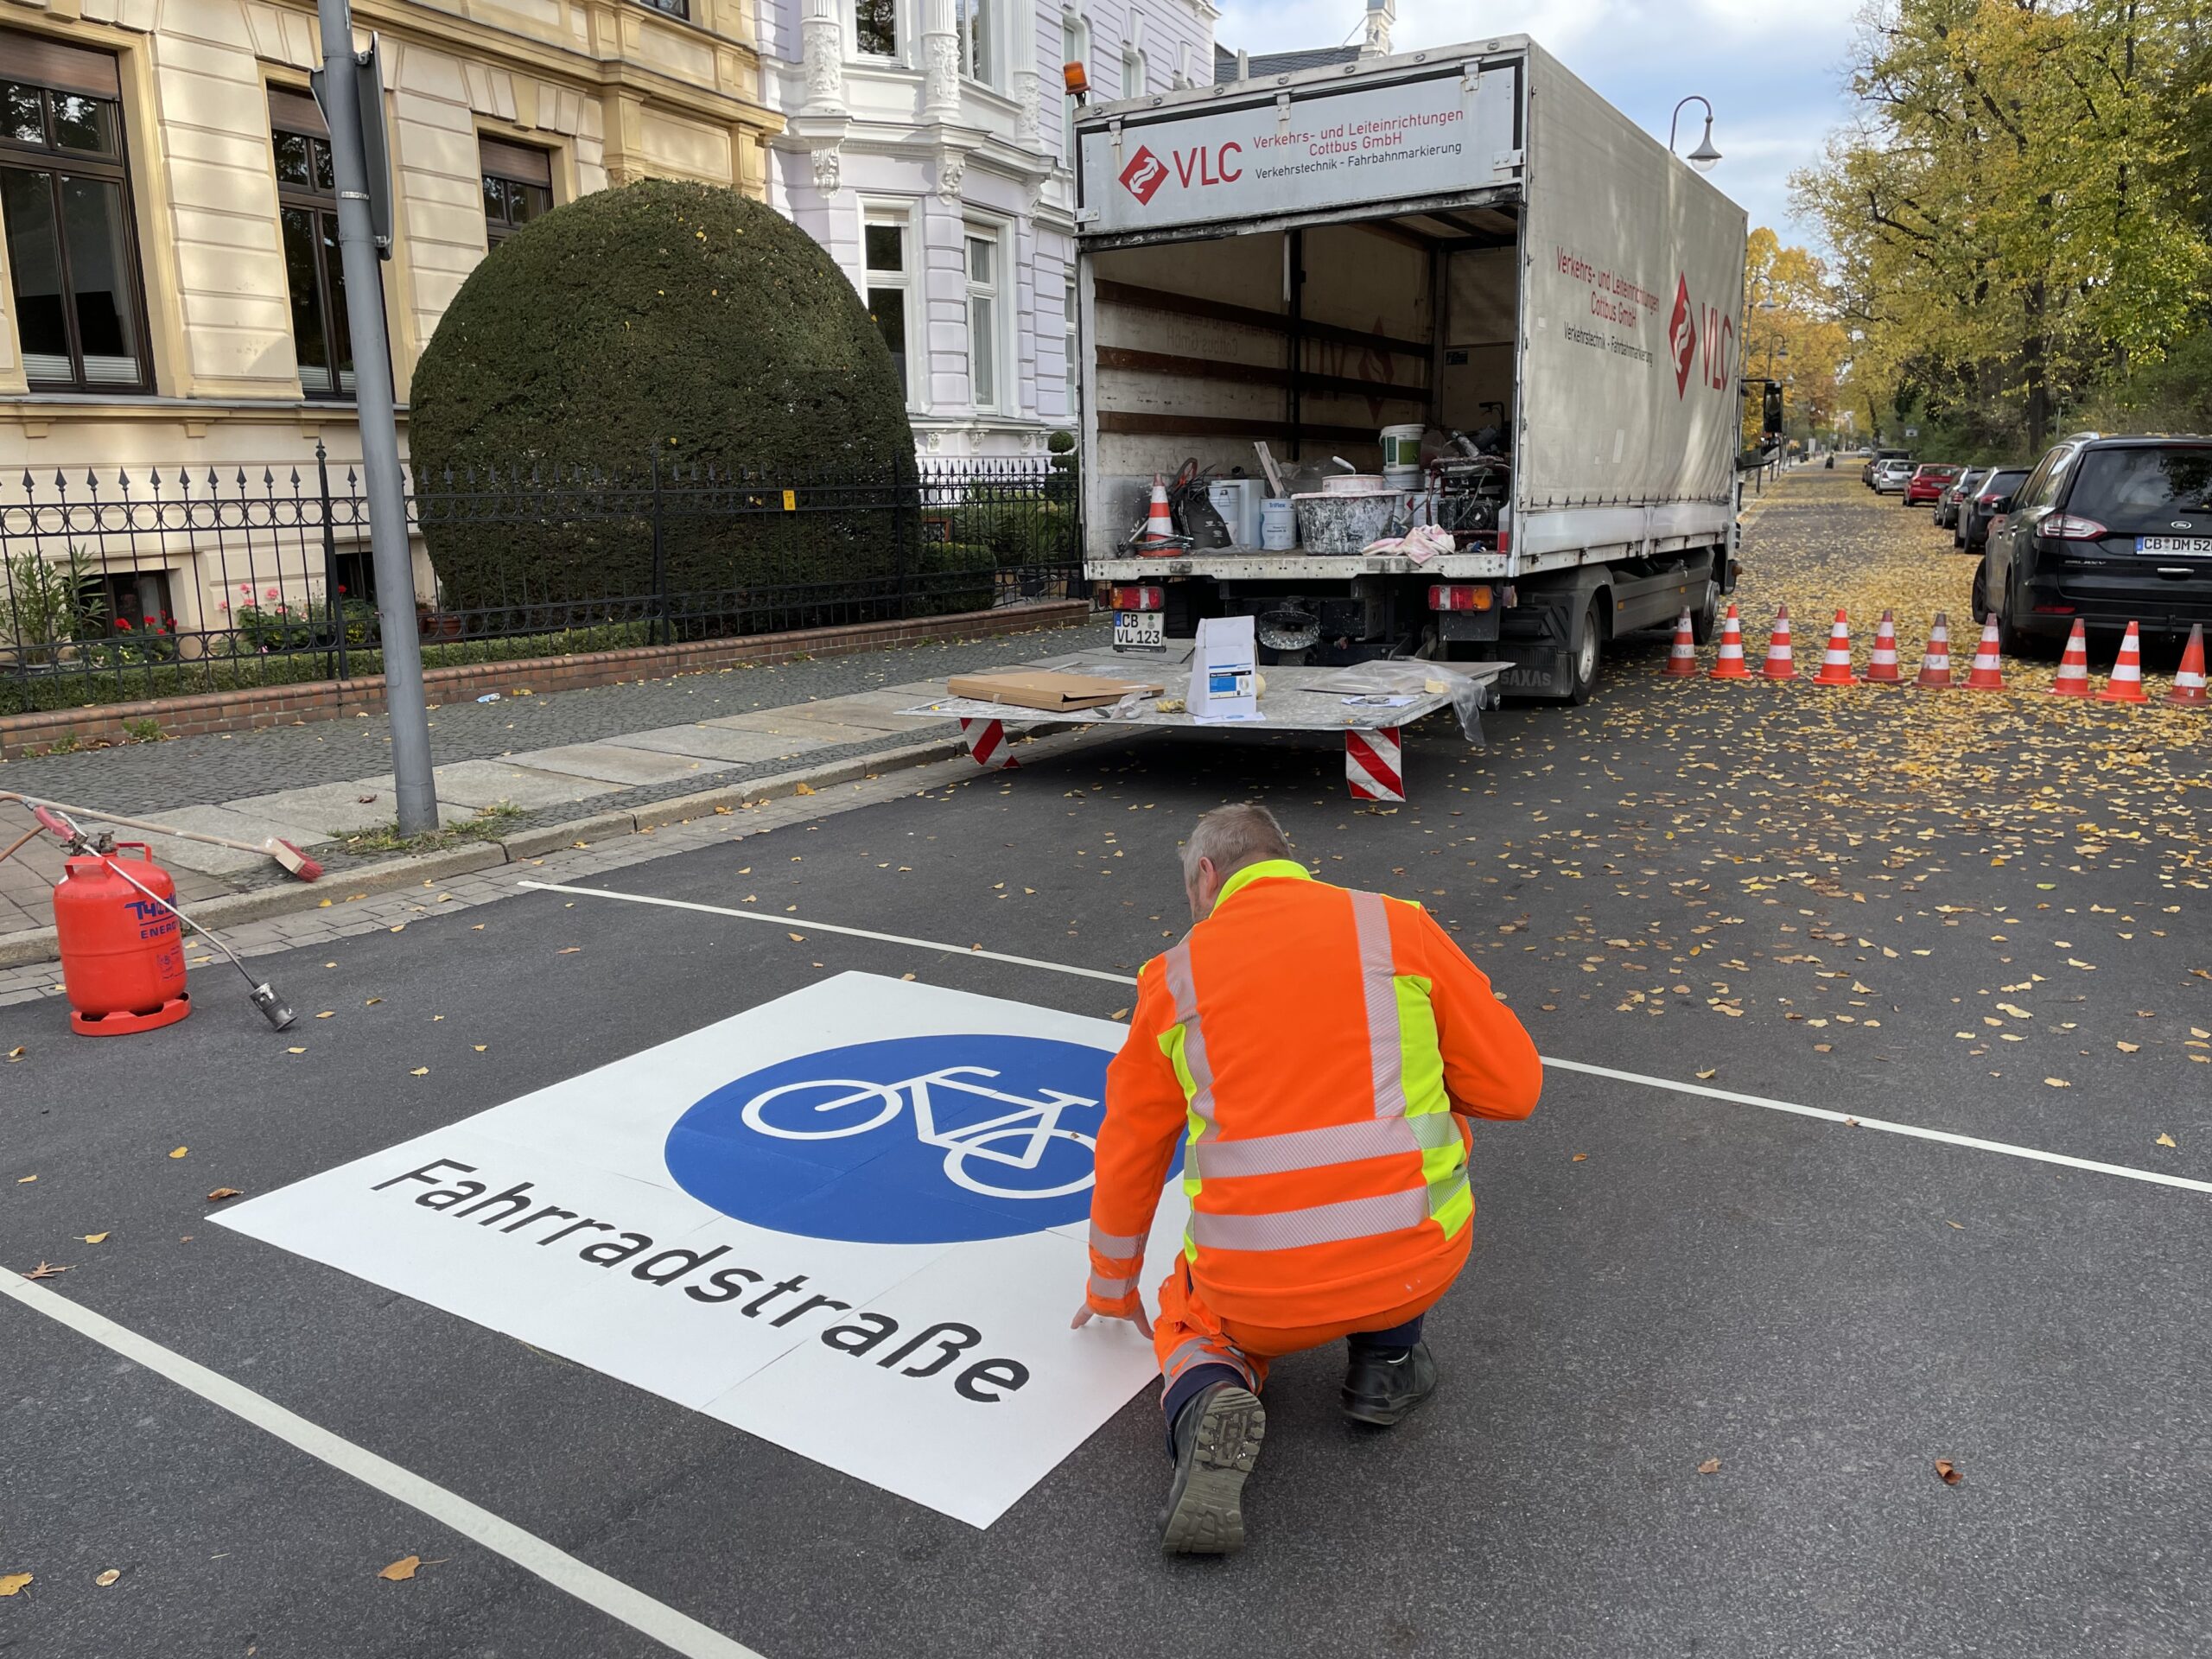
1698,1379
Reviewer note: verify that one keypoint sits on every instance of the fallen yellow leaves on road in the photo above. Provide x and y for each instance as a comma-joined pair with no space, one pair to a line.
222,1193
1710,1466
105,1579
1948,1472
180,1152
2167,1141
2058,1083
94,1238
11,1582
45,1270
16,1054
420,1071
401,1570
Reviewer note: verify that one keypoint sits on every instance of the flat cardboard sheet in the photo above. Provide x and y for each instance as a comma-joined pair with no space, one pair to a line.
1037,687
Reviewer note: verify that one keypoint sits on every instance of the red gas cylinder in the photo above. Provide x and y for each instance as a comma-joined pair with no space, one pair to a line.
122,954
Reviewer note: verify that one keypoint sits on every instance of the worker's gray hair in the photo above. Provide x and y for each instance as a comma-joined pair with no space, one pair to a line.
1233,836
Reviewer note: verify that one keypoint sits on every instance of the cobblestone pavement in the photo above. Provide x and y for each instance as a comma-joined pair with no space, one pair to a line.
136,778
156,780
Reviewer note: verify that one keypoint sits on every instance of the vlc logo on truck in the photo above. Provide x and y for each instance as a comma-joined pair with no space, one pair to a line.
1683,336
1144,175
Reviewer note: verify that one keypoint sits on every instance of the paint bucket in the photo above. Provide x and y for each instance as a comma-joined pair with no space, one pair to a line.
1278,525
1337,521
1405,479
1401,446
1238,501
1351,483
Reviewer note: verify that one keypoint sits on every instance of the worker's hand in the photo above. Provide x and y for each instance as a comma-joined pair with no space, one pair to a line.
1084,1314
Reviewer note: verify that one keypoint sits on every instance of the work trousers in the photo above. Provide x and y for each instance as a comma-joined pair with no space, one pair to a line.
1197,1348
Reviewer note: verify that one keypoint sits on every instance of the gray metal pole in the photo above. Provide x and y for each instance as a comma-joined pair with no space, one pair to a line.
400,640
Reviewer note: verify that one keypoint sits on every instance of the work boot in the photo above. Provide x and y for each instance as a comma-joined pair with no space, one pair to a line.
1217,1440
1382,1384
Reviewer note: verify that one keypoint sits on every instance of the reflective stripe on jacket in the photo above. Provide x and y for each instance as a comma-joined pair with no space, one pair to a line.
1306,1046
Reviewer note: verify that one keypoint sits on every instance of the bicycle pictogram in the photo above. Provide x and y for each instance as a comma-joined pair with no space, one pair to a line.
1033,1128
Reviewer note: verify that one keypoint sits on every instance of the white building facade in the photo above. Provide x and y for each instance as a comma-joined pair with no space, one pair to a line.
926,145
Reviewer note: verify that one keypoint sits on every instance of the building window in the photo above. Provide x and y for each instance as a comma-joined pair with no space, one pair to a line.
1132,72
978,51
1075,47
673,8
875,26
889,285
518,188
65,198
984,319
1074,373
307,218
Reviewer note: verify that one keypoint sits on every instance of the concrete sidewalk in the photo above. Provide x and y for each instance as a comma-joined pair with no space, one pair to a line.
497,803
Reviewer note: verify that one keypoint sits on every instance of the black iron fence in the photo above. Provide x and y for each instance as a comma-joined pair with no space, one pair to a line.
116,586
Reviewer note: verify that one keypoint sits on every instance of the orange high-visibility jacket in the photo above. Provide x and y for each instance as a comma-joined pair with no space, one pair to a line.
1308,1046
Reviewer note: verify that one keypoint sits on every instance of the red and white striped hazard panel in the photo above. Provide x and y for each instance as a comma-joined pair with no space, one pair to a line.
1372,765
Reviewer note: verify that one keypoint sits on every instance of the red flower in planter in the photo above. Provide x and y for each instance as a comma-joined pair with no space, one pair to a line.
122,624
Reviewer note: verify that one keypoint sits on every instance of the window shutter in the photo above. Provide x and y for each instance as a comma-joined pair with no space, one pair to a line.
516,162
64,68
295,112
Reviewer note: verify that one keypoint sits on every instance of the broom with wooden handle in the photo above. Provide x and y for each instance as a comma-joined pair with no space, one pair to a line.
290,857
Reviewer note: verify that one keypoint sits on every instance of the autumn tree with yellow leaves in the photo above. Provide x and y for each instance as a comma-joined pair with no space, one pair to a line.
2016,236
1791,335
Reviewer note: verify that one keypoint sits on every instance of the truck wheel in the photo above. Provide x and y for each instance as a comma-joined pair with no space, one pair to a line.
1703,619
1582,657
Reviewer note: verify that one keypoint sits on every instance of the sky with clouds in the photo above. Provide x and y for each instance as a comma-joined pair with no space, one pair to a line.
1773,70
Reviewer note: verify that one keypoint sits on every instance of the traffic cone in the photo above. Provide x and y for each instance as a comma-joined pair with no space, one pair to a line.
1936,661
2125,685
1780,664
1681,661
1159,523
1835,663
1730,664
1882,666
1987,673
2073,679
2188,678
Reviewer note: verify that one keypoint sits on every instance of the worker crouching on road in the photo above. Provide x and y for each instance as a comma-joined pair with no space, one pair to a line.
1313,1050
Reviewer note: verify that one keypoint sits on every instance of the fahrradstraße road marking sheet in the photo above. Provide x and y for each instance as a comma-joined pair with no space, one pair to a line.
851,1221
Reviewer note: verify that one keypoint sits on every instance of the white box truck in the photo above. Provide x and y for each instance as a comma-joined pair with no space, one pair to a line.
1468,240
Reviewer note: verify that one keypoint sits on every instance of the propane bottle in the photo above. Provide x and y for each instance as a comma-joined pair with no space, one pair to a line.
122,954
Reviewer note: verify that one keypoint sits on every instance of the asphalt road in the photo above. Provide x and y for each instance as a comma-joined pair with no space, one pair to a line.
1659,1279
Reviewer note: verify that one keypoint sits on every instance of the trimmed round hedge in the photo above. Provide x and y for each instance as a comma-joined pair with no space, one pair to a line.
672,333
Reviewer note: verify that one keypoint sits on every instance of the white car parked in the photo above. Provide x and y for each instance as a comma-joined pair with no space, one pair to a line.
1889,477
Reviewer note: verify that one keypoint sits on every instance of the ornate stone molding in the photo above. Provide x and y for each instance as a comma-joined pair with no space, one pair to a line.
821,50
828,170
940,62
951,168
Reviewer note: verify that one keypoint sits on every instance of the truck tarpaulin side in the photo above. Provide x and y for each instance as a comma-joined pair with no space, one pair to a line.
1303,149
1633,312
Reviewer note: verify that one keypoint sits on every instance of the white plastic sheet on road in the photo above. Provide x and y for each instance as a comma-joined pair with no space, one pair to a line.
851,1221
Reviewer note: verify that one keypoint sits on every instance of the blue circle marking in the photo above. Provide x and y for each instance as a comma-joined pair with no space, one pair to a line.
911,1140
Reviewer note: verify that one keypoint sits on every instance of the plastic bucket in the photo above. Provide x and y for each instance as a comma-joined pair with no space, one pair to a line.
1401,446
1238,501
1402,477
1278,525
1337,521
1351,483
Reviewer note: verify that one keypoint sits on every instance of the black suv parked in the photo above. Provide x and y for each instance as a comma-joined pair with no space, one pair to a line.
2107,530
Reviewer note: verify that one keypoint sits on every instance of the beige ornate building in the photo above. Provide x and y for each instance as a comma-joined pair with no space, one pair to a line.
170,290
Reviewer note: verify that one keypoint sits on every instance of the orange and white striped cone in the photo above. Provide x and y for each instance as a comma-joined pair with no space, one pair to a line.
2073,680
1882,667
1730,664
1835,661
2188,678
1160,523
1780,664
1987,673
1681,661
1936,660
2125,685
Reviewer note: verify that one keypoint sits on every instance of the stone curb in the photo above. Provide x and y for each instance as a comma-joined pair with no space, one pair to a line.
38,944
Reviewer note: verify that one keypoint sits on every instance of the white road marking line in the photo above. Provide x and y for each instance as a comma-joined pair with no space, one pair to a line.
676,1631
1854,1121
832,927
1912,1130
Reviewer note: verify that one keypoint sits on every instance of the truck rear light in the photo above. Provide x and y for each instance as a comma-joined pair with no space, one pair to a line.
1139,599
2054,610
2064,527
1459,596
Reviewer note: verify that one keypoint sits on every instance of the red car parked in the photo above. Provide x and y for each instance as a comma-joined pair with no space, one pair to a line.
1927,483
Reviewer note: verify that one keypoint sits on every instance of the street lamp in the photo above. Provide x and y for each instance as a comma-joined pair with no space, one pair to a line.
1705,155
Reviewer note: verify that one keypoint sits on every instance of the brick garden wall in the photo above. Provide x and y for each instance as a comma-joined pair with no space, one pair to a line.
291,705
